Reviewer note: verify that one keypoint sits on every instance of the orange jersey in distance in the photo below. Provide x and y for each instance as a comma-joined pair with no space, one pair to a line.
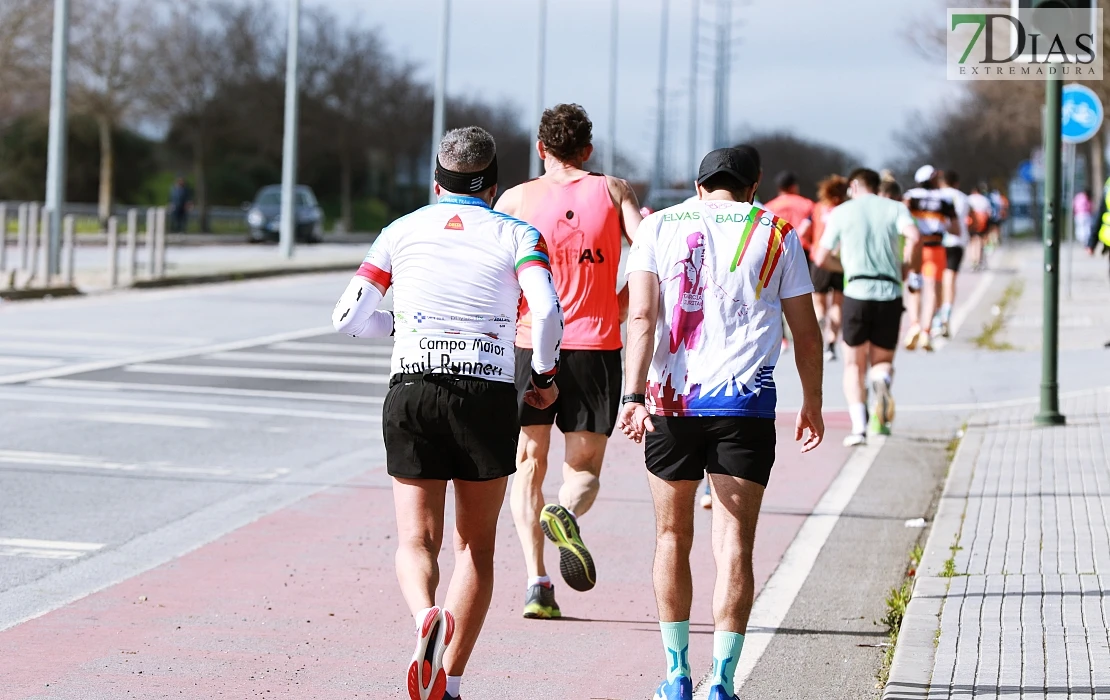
795,209
583,232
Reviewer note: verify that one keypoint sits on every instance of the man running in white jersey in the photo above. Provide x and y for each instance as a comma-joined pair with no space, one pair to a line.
709,282
457,269
956,241
934,213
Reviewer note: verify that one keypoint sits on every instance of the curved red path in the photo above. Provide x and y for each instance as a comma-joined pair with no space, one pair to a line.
303,604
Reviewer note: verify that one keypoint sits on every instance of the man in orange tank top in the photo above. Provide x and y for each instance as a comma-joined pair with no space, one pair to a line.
583,217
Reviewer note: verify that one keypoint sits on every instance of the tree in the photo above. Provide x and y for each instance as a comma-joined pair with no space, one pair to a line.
24,56
111,51
809,160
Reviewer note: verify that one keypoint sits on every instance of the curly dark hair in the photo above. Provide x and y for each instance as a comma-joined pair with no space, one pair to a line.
565,131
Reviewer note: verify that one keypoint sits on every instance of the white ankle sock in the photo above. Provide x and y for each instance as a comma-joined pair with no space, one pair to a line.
453,683
537,580
858,413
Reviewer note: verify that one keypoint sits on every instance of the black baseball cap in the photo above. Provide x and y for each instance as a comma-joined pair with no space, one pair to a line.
741,163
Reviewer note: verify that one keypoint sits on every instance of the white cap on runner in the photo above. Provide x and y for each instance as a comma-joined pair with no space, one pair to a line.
924,174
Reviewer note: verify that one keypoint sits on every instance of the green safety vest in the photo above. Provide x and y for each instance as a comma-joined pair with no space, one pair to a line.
1104,230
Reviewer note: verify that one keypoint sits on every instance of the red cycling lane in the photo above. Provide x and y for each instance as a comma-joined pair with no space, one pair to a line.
304,604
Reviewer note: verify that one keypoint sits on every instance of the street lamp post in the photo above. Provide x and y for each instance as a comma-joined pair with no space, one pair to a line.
535,167
695,35
289,150
614,55
661,119
1049,413
439,117
56,165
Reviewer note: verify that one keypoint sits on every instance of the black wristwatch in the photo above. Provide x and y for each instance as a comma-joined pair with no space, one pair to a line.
542,381
633,398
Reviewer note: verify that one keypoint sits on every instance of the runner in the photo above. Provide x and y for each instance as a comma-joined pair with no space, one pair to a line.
954,245
457,270
890,189
583,215
709,283
828,287
977,229
862,240
934,213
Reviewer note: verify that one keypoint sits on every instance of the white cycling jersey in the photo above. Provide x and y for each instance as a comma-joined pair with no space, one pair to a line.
457,269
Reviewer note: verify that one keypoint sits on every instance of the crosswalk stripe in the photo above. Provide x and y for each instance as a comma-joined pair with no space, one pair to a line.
258,373
45,549
81,349
71,335
342,348
96,385
71,461
27,362
354,415
294,358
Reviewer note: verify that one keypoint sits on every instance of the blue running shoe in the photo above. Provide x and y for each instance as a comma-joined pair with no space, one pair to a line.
682,688
717,692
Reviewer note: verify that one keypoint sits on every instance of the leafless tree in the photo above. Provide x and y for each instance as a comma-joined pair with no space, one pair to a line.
24,56
111,50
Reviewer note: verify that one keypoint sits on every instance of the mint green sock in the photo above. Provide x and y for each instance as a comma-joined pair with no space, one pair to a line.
726,655
676,642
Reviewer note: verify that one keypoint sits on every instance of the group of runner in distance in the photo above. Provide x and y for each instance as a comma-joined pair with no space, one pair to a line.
507,320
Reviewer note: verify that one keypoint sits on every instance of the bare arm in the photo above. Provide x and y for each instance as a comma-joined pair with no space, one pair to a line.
911,251
825,258
510,202
643,288
624,197
811,367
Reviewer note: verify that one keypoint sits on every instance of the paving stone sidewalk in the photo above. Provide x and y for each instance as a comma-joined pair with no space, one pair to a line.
1012,598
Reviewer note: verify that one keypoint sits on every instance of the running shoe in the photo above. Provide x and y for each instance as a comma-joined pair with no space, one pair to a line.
540,603
717,692
707,501
681,688
912,336
830,353
855,440
575,563
426,678
451,697
926,342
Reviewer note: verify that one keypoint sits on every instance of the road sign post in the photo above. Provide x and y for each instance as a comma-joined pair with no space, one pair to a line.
1049,413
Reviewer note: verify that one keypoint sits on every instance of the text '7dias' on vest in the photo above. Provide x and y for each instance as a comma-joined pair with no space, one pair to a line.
455,224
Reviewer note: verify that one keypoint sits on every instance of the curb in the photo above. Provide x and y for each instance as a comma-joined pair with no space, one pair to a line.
29,294
911,672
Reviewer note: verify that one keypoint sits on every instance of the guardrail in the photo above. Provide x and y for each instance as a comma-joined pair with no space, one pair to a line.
25,266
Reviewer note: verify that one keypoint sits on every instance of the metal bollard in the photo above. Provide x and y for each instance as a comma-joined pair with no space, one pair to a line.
69,240
151,224
160,245
43,273
30,263
132,244
21,237
3,237
113,252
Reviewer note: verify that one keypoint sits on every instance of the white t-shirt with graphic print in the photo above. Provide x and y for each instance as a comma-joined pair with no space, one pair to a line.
724,269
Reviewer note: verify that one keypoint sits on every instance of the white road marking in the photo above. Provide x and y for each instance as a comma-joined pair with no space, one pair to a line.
356,416
71,461
294,358
257,373
959,316
94,385
8,361
159,420
777,596
60,349
346,348
113,337
46,549
97,365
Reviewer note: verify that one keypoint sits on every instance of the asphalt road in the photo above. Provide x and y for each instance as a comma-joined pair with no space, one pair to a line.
209,442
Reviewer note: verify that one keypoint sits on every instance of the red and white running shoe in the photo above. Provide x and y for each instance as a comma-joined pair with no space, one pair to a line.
426,679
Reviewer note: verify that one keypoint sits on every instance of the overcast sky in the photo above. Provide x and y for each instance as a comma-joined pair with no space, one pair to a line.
841,72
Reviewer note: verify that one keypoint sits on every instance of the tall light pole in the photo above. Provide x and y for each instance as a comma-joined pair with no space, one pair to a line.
1049,413
56,151
535,167
614,56
661,134
439,115
724,62
695,35
289,150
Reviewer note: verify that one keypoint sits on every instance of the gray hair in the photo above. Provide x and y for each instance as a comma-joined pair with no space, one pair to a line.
467,150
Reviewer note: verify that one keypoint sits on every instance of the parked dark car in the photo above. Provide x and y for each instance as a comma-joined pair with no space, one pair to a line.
264,215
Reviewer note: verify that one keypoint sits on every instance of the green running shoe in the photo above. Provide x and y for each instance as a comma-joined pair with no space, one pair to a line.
575,563
540,603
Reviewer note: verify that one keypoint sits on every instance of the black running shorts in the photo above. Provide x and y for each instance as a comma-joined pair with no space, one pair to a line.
445,427
684,449
825,281
955,256
589,384
875,322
